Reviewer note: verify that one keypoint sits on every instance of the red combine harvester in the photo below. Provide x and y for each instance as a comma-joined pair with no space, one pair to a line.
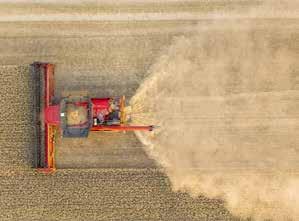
71,116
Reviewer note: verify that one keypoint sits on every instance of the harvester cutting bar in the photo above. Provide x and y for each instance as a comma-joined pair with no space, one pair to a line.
43,74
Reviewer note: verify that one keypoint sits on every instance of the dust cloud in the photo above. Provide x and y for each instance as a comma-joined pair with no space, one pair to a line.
226,101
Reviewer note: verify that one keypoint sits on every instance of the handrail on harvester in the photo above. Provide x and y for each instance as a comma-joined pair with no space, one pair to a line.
122,128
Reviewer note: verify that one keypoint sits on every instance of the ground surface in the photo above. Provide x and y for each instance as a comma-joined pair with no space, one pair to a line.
82,194
104,58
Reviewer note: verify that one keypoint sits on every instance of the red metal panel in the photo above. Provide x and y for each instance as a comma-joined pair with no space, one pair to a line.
49,83
121,128
46,144
49,113
99,105
52,115
50,150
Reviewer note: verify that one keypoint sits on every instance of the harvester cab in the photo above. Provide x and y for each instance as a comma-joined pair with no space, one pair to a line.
75,116
70,116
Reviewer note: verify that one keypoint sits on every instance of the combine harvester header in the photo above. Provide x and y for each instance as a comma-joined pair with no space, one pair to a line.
70,116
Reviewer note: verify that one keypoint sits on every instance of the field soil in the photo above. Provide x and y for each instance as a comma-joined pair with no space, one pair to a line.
103,52
122,192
